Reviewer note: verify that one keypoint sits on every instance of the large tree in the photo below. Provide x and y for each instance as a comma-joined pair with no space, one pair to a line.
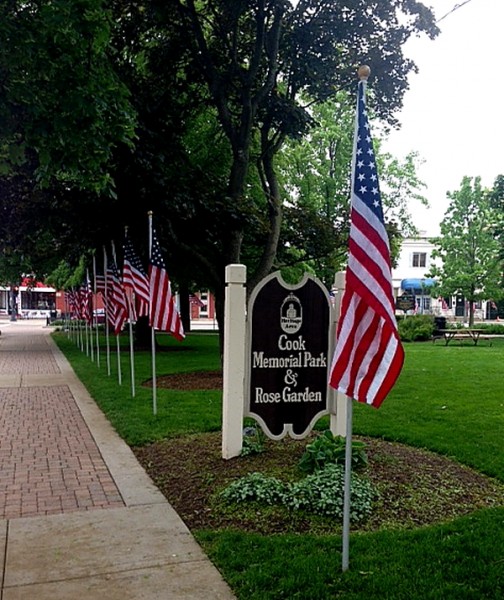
62,105
258,58
63,113
217,87
468,248
315,174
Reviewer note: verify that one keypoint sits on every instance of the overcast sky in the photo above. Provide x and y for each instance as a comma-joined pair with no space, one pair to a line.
453,111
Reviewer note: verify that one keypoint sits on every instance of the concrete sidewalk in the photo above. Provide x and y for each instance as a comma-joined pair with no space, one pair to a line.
79,517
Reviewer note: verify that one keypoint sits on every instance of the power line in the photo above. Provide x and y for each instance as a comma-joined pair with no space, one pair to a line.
457,6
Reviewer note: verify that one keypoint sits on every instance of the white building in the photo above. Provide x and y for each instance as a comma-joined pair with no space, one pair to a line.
411,277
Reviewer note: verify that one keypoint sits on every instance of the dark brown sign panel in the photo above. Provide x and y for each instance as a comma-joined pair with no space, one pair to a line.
288,360
405,302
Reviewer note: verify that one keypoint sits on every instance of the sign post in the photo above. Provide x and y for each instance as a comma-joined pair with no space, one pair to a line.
234,361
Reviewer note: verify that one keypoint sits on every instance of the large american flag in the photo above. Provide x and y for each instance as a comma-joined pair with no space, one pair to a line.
135,278
163,313
368,356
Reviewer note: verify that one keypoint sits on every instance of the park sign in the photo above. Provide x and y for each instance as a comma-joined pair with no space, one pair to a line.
405,302
288,355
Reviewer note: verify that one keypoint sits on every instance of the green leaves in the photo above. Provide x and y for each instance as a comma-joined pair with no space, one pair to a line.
62,96
320,493
330,449
468,247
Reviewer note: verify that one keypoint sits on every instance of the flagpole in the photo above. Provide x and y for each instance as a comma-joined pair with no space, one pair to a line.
347,488
363,74
129,300
107,307
67,318
85,300
153,336
80,336
90,313
95,314
118,348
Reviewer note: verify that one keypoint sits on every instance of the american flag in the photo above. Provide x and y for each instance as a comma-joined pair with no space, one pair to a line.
86,298
72,298
135,278
116,302
368,356
100,284
163,310
196,301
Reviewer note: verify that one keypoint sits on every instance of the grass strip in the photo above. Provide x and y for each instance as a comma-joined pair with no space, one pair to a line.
449,399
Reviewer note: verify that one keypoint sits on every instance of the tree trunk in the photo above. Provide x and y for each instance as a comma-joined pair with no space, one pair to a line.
142,334
471,313
220,295
272,192
185,307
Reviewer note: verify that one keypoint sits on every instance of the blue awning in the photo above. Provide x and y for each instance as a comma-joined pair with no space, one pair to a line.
417,284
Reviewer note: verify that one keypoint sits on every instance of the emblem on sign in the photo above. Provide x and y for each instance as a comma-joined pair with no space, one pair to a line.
291,314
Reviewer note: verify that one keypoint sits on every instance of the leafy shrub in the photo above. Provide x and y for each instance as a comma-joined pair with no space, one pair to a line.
416,328
491,328
320,493
253,441
329,449
258,487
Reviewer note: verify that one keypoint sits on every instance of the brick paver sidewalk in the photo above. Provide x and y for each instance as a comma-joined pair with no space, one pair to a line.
49,462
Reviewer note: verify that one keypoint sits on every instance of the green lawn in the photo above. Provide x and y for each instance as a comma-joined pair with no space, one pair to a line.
449,399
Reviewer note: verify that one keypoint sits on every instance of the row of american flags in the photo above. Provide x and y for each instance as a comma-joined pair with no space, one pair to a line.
130,294
368,356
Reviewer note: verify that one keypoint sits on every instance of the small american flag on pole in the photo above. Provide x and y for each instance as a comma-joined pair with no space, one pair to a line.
135,278
196,301
368,356
86,296
163,310
116,301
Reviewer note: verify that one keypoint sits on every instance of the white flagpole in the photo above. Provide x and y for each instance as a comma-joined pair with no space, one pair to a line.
86,335
95,314
80,335
132,348
129,299
153,335
347,488
91,305
363,76
67,315
118,348
86,329
107,306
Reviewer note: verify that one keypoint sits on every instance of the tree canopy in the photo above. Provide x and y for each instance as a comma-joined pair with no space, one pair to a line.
183,107
470,253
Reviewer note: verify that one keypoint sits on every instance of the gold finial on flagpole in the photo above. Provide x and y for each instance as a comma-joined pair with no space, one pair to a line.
149,213
364,71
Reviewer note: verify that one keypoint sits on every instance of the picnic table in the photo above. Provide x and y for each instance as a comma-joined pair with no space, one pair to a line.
461,334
